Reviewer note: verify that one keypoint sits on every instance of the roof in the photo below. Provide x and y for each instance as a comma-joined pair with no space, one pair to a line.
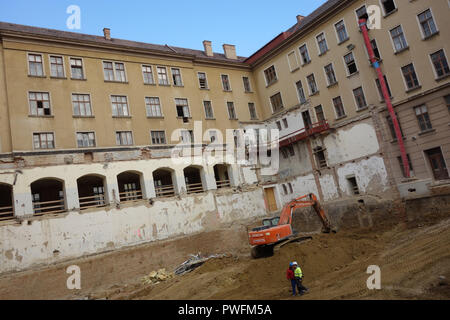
304,24
100,40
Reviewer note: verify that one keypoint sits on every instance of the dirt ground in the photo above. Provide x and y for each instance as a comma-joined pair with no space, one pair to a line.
414,260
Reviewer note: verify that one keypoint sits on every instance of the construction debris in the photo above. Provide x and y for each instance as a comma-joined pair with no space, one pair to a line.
194,262
155,277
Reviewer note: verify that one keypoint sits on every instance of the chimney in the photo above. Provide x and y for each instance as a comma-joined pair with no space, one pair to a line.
230,51
300,18
107,33
208,48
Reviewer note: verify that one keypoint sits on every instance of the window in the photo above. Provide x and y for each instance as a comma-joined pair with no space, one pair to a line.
402,167
360,98
231,111
379,88
247,87
182,108
392,128
187,136
203,82
291,190
45,140
331,76
270,75
35,65
285,123
447,102
119,106
361,13
176,77
158,137
278,123
284,188
209,114
322,43
304,54
39,103
292,60
76,68
85,139
252,110
350,63
353,185
410,76
437,163
225,82
338,107
153,107
163,79
320,157
375,49
287,151
81,104
300,92
440,64
312,84
319,113
427,23
57,67
147,73
277,102
341,31
124,138
388,6
423,118
398,38
114,71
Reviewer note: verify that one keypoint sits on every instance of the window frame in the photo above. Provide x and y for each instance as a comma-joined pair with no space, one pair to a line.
114,63
386,14
49,104
298,94
167,76
152,73
271,103
206,80
275,73
408,89
421,27
44,75
249,84
250,112
427,122
339,41
343,108
437,77
86,132
83,69
159,131
291,69
63,66
406,47
364,97
128,106
234,111
188,108
125,131
160,108
307,52
43,132
326,75
212,110
181,77
347,66
228,80
90,102
318,45
309,86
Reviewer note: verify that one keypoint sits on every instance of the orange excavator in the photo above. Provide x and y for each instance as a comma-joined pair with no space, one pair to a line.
278,231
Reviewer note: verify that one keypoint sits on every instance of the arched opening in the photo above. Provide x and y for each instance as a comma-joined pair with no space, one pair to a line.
48,196
6,202
193,178
222,176
163,182
129,186
91,191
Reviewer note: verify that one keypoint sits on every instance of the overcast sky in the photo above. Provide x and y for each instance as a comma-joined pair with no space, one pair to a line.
247,24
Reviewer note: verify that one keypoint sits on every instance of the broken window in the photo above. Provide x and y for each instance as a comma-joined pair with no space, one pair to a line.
163,79
81,104
192,176
85,139
76,68
187,136
350,63
360,98
35,65
6,202
252,110
176,77
300,91
57,66
209,114
388,6
247,87
312,84
43,140
331,76
221,175
91,191
304,54
285,123
284,189
129,184
163,182
153,107
203,82
158,137
119,106
291,190
225,82
278,123
48,196
376,52
402,167
182,108
338,107
231,110
361,13
354,189
270,75
319,113
39,103
320,156
147,73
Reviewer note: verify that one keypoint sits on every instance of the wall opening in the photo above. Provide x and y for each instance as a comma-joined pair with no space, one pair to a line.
91,192
163,181
354,189
221,174
6,202
320,156
129,186
193,178
48,196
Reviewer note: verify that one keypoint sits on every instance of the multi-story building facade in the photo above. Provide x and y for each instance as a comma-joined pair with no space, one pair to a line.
89,124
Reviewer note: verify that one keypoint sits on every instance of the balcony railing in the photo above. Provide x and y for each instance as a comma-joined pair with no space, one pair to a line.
6,213
130,196
304,133
49,207
95,201
194,188
223,184
165,191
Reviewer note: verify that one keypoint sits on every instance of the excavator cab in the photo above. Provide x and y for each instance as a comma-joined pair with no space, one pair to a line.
279,230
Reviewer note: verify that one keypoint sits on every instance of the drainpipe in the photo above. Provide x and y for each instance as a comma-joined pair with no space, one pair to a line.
387,98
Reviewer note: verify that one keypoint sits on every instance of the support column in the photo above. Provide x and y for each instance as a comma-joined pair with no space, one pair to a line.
71,192
208,179
113,189
179,182
315,170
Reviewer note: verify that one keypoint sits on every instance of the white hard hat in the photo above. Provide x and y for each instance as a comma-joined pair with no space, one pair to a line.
295,263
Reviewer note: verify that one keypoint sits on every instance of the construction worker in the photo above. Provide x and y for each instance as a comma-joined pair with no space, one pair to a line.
298,274
290,275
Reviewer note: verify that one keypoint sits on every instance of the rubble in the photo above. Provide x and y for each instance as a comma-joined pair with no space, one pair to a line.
194,262
156,277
